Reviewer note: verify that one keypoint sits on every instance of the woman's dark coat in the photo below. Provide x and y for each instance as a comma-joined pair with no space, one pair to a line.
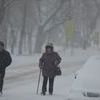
49,62
5,59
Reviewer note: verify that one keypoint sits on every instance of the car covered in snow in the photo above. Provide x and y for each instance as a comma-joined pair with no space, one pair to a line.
86,83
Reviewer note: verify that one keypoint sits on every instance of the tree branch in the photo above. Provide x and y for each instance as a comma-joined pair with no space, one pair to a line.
56,25
54,13
9,3
39,10
93,23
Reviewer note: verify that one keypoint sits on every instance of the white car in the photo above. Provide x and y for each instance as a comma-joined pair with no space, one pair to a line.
87,81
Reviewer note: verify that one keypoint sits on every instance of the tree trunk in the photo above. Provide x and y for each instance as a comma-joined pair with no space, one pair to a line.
30,43
40,39
23,32
13,42
2,13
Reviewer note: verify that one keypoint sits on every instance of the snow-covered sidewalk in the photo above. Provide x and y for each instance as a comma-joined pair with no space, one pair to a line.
22,76
26,90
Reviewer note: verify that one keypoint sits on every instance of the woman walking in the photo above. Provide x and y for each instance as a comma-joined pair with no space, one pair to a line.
48,63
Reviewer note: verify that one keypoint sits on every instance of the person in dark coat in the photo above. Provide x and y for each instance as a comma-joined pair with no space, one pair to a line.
5,61
48,63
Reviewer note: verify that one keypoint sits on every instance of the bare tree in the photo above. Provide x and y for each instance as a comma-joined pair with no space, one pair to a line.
53,19
4,5
23,31
42,20
2,13
86,14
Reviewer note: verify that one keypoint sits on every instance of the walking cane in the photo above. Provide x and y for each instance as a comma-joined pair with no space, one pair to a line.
39,81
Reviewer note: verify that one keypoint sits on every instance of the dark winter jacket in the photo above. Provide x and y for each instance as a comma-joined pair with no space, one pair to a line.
5,59
49,62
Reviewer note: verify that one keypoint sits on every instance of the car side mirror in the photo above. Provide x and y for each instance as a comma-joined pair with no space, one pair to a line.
75,75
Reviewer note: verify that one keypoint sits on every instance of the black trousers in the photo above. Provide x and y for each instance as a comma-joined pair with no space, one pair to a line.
2,75
51,84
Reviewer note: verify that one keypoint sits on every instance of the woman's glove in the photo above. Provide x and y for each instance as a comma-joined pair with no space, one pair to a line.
41,67
56,63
